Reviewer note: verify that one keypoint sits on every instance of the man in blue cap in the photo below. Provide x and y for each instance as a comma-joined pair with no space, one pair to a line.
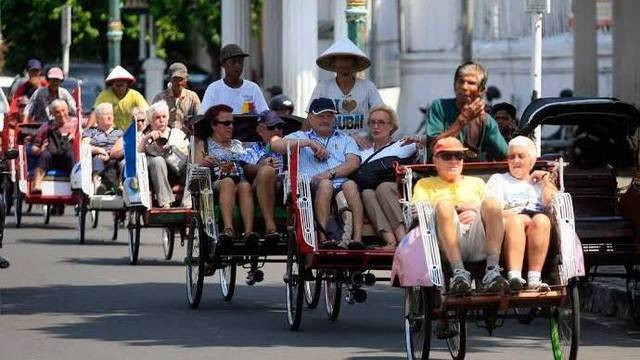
265,167
328,157
27,88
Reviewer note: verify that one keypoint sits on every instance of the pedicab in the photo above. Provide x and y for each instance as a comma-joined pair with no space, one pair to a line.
56,186
311,268
602,157
420,270
204,255
141,207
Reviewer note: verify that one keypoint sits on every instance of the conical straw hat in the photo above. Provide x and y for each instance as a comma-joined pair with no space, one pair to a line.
120,73
343,47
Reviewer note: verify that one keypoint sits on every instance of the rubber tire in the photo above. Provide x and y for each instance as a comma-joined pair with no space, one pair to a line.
7,194
135,224
116,224
168,241
195,264
228,285
17,211
312,290
46,212
332,295
568,313
95,215
418,318
293,285
82,219
457,345
3,217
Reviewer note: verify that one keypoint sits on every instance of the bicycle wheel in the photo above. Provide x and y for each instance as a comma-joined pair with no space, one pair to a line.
168,240
332,295
294,281
228,279
135,218
418,311
46,213
312,290
458,344
82,215
564,324
17,211
195,262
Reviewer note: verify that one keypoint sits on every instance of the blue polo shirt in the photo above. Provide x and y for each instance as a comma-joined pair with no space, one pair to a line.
338,145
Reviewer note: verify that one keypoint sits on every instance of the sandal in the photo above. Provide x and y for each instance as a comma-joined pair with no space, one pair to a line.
329,245
251,239
272,237
227,237
355,245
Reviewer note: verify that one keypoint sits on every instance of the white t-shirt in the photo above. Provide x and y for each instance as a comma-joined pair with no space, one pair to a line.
353,108
395,149
249,92
516,195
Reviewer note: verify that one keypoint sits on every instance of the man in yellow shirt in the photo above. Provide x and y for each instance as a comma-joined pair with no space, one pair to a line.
468,225
121,97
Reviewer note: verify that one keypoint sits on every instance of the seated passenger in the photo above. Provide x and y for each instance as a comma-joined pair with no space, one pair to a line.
226,157
140,118
524,195
52,144
265,167
468,224
328,156
157,143
106,148
380,193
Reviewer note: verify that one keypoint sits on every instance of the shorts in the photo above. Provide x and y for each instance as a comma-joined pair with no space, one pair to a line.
472,239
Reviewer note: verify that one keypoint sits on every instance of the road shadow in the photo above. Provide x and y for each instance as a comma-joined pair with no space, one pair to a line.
123,261
156,314
72,241
42,226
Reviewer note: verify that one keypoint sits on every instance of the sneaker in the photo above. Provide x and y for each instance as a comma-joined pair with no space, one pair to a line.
516,283
538,286
460,282
493,281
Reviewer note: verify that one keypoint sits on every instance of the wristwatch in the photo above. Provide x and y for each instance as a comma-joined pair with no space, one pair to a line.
332,172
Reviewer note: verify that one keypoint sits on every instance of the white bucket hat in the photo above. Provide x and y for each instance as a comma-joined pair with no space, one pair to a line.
120,73
343,47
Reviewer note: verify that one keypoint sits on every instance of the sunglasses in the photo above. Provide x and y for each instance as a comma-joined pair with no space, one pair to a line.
277,126
447,156
223,123
140,120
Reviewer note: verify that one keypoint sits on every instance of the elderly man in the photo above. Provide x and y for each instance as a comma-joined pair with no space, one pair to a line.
120,95
106,148
52,144
329,156
464,115
243,96
42,98
469,225
265,167
183,103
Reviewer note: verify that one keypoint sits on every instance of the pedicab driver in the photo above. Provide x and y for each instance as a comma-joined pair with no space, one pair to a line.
468,225
243,96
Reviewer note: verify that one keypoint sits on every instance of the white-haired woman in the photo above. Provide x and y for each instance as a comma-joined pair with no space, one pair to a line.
379,191
106,148
525,196
156,143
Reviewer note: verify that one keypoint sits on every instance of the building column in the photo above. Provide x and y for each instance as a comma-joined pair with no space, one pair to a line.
585,49
299,51
340,29
626,52
272,40
236,23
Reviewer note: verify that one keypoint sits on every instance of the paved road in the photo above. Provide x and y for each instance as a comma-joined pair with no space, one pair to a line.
60,300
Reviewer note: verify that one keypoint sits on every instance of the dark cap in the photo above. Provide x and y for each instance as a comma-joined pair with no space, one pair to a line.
321,105
178,69
34,64
231,50
270,118
510,109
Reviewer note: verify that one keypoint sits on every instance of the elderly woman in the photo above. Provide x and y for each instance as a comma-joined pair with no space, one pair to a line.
226,157
156,143
106,148
353,97
524,195
379,192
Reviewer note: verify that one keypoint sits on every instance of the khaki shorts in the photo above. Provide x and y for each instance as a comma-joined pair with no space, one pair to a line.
471,238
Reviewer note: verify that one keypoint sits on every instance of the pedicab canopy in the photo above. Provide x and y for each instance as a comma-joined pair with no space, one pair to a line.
244,126
616,116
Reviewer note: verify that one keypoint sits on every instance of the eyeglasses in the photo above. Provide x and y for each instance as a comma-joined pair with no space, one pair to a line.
276,126
377,123
223,123
140,120
447,156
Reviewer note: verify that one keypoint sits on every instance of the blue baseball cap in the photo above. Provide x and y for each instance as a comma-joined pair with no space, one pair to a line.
270,118
34,64
321,105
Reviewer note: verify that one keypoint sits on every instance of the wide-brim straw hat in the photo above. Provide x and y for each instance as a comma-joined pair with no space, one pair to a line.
343,47
119,73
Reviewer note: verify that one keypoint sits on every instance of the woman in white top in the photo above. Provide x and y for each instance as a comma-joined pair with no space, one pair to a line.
353,97
380,196
155,143
525,196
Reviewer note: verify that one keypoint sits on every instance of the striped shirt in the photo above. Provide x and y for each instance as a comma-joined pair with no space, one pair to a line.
338,144
103,139
235,153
